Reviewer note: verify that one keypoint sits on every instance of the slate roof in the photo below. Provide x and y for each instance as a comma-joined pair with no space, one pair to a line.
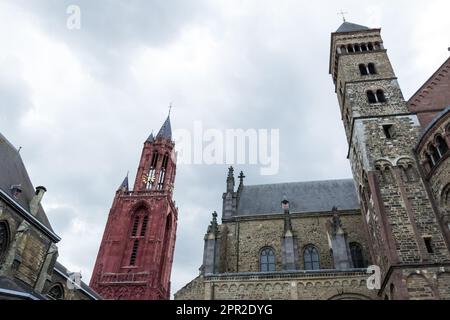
304,197
124,184
84,287
18,289
13,172
151,138
351,27
166,130
435,120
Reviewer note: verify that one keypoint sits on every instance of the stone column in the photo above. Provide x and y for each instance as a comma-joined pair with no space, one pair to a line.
341,252
210,247
44,276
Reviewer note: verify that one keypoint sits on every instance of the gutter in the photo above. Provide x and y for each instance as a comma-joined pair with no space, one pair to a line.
29,217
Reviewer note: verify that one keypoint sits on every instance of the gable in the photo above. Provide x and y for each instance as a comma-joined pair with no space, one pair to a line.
433,96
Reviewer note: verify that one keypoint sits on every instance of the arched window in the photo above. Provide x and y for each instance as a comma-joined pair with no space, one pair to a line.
311,258
56,292
429,159
363,47
168,234
370,46
357,256
434,154
343,49
380,96
371,97
135,226
151,174
441,145
372,69
357,48
267,260
162,173
4,238
445,197
363,69
144,226
134,252
350,48
392,291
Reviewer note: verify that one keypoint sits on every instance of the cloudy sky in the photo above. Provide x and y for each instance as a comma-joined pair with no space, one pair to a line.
80,103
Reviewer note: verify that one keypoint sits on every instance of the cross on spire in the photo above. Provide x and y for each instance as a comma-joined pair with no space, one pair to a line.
342,13
241,177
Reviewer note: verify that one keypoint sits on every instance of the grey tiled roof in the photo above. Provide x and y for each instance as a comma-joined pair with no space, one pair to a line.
151,138
13,172
166,130
316,196
124,184
350,27
18,288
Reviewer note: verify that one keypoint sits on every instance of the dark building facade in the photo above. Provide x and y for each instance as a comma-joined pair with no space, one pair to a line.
28,251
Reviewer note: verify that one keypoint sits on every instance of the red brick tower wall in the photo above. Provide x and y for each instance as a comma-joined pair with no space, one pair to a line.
134,261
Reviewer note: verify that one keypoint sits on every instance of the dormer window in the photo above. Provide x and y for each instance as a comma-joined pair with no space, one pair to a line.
16,191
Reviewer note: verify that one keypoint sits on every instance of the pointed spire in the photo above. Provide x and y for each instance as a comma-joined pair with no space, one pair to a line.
241,178
351,27
166,130
150,138
230,180
287,216
124,184
241,182
213,226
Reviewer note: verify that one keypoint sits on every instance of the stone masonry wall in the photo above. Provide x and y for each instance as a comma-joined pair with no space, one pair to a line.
320,286
26,251
258,233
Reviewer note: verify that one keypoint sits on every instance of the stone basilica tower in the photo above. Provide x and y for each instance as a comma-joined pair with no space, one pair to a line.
406,241
135,256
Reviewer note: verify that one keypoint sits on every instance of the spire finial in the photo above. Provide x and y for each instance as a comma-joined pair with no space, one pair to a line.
241,177
342,13
170,108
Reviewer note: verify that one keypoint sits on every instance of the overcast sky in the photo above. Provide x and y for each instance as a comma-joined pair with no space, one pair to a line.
81,103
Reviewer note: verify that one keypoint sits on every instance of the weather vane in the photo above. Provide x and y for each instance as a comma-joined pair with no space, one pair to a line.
342,13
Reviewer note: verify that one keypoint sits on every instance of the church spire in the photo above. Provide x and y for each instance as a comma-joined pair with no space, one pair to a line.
124,184
166,130
230,180
150,138
351,27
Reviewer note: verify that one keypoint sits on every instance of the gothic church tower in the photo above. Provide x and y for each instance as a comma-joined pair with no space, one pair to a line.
406,241
135,256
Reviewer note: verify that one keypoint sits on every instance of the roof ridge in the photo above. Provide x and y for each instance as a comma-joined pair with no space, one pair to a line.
429,81
351,27
299,182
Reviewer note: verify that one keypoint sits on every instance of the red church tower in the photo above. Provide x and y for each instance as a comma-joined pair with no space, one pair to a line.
135,257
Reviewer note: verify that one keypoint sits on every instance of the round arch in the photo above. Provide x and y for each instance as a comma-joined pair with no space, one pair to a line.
349,296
